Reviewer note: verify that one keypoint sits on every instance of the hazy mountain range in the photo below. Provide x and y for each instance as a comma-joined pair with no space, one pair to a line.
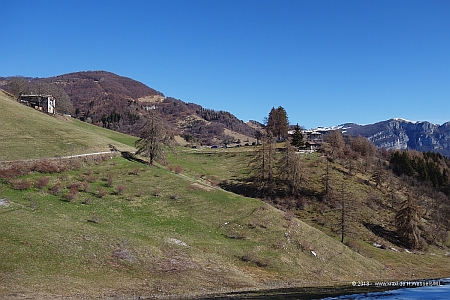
119,103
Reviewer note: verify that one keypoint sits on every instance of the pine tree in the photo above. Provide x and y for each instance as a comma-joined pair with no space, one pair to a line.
378,173
278,124
297,137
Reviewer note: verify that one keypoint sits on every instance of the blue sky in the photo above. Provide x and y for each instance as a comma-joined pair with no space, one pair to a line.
326,62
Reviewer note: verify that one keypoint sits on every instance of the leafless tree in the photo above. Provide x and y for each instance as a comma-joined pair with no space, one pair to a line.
263,165
291,169
63,103
18,86
336,142
155,137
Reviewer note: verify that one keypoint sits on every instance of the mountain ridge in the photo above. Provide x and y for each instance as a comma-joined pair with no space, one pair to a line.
401,134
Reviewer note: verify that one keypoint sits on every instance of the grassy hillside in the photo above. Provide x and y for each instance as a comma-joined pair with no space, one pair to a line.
367,207
27,133
118,228
151,231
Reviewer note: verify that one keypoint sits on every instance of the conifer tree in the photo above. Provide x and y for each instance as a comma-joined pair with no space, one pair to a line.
297,137
378,173
407,221
278,124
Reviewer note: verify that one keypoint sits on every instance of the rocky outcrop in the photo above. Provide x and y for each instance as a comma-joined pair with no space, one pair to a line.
403,134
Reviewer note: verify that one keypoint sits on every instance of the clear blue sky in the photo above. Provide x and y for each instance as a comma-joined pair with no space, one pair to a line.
326,62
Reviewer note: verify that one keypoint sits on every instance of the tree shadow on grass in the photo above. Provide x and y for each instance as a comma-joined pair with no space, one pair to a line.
131,157
383,233
127,155
240,188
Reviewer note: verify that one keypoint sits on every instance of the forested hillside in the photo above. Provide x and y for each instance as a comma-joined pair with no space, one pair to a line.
120,103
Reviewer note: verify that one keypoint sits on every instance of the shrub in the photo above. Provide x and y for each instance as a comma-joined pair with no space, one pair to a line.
74,185
56,189
101,192
124,254
89,176
254,259
84,186
234,234
71,195
47,166
304,246
213,180
13,171
135,171
120,189
289,215
87,201
110,179
42,182
95,219
178,169
21,184
302,203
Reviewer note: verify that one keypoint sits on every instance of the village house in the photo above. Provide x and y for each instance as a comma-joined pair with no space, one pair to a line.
45,103
313,140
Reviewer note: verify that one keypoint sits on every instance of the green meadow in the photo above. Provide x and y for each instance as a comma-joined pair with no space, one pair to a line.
107,227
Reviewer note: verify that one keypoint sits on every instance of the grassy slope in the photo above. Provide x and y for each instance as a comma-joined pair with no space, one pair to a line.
49,248
48,245
26,133
364,204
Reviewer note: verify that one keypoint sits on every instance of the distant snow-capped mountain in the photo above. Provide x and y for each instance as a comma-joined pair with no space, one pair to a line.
399,133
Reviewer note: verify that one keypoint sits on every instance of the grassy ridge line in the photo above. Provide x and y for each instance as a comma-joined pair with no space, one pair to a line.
7,93
27,133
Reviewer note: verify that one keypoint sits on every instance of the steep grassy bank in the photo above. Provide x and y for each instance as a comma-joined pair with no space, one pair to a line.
27,133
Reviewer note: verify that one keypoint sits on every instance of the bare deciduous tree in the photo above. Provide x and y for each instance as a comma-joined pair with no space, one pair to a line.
154,138
263,165
291,169
18,86
336,142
